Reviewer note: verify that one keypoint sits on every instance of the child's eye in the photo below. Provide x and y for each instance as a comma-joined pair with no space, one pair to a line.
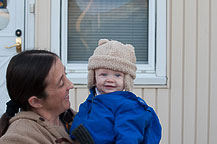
103,74
117,75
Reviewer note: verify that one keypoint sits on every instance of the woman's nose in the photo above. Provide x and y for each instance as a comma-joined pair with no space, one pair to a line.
69,84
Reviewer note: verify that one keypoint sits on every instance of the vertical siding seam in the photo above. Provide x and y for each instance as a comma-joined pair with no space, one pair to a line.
183,74
169,119
36,24
196,74
209,83
170,69
49,23
143,95
76,99
156,100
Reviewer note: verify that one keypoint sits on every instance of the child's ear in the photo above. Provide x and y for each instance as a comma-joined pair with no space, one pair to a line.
94,77
91,79
35,102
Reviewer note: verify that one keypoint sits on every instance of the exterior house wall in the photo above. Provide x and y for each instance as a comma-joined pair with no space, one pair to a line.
42,24
187,107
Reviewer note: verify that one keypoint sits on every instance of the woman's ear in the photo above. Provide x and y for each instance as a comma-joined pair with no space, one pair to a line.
35,102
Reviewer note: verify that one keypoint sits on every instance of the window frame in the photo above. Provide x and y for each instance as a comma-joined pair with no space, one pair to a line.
153,73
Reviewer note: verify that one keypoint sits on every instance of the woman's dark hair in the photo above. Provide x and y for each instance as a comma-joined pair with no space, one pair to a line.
25,77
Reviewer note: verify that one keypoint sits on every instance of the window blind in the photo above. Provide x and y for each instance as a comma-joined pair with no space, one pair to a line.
91,20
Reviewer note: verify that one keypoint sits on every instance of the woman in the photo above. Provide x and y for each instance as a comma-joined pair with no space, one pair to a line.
38,86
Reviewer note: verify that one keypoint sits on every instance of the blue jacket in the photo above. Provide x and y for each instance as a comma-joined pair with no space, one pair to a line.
118,117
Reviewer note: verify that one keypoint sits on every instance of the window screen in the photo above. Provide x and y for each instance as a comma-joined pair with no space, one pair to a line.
91,20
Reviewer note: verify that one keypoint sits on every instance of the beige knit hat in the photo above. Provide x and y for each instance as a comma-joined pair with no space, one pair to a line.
115,56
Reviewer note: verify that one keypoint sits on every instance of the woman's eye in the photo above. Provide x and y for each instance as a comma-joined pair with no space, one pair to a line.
62,84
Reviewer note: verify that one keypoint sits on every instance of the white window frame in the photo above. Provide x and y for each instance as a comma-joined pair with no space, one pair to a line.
153,73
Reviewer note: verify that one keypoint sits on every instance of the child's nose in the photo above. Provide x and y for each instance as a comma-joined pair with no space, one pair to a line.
110,79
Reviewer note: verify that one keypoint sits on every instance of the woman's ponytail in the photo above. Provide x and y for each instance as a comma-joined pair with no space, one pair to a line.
12,109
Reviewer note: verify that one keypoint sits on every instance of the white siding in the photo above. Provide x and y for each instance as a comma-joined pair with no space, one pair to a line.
202,84
189,91
42,24
176,72
213,74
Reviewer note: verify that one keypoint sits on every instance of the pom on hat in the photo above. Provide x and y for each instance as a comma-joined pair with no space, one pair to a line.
102,41
116,56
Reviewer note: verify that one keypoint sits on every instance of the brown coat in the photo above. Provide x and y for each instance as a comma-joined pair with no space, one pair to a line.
30,128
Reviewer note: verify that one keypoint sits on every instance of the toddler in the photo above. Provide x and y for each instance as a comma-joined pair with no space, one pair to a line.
112,113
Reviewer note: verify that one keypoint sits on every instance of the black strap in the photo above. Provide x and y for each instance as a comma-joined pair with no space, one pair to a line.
12,108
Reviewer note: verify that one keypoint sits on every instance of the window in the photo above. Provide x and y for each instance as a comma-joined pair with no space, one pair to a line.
81,23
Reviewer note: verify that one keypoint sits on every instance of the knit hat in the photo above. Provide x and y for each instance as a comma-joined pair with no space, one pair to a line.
115,56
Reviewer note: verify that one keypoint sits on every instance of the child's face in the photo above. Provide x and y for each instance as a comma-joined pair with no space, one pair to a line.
109,81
